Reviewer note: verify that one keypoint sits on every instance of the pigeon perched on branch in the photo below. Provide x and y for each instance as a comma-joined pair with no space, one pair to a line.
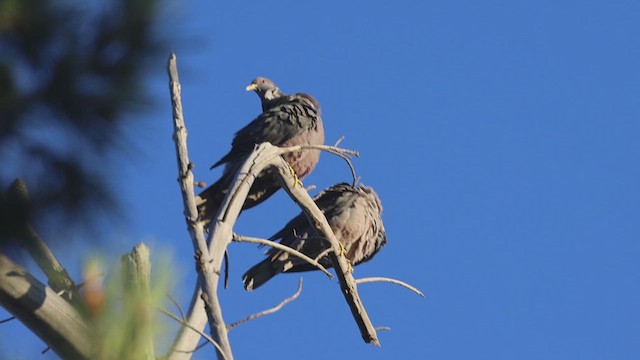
354,216
286,120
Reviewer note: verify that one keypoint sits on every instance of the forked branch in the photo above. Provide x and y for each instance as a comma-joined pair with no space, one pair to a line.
345,154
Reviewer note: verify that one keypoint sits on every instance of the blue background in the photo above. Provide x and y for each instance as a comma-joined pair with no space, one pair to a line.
501,136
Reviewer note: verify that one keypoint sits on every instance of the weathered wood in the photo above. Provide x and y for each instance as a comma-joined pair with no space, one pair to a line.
45,313
208,273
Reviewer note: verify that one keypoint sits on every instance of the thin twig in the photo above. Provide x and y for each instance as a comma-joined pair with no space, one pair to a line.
345,154
184,323
389,280
323,254
382,328
269,311
294,252
7,320
200,346
177,305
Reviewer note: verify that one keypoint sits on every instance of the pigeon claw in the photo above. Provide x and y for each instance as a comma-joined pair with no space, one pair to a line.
349,267
297,180
343,250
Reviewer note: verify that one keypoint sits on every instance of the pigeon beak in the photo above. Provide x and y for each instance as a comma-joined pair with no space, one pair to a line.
251,87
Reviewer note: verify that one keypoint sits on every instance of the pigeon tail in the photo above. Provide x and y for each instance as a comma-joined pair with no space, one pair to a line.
210,201
259,274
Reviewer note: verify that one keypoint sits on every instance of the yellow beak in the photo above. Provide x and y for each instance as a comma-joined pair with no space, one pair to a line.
252,87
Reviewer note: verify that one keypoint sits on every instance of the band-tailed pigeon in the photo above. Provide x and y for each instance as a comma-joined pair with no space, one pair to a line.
286,120
354,216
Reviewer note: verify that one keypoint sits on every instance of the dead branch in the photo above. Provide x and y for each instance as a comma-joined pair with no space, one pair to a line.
186,341
46,314
57,276
208,278
7,319
345,154
270,310
389,280
284,248
323,254
177,305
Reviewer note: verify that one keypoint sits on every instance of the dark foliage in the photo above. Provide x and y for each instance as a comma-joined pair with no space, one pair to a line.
71,74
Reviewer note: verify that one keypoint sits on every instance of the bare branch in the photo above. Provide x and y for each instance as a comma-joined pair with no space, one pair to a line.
187,338
208,276
186,324
294,252
323,254
269,311
389,280
57,276
7,319
345,154
200,346
46,314
177,305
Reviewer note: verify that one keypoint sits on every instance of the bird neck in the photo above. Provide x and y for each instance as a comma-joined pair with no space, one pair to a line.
270,98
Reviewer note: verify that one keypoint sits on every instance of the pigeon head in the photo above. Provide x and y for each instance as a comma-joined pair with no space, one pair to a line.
265,88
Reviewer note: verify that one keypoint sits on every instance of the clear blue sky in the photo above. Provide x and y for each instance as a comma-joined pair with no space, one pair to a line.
502,137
